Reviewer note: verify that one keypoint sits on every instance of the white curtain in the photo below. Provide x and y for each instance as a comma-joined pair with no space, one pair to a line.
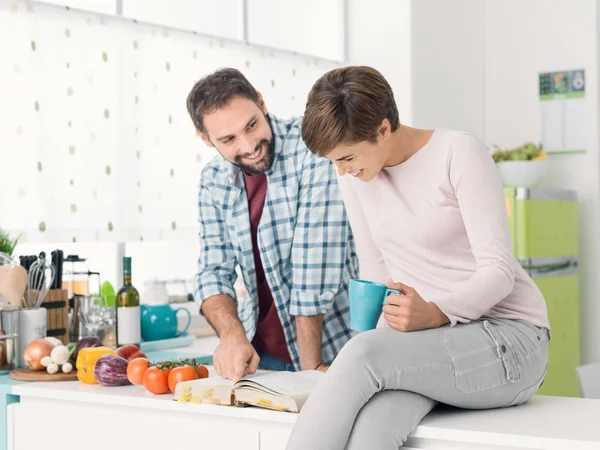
96,143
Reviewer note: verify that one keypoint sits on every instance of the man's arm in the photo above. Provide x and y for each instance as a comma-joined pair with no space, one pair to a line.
235,356
319,255
221,313
310,330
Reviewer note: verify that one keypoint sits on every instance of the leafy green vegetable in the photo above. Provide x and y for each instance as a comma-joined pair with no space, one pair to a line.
526,152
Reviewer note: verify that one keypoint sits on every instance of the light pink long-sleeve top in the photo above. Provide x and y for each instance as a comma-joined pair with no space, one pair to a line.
438,222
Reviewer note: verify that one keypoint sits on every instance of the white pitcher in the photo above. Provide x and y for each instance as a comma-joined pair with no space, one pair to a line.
155,293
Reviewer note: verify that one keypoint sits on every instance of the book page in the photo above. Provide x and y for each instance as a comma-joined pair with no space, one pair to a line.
212,390
213,381
290,384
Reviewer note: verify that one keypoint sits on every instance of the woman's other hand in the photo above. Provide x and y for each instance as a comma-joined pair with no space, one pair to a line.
409,312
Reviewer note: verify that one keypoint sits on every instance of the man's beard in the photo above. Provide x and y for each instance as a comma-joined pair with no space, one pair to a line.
264,163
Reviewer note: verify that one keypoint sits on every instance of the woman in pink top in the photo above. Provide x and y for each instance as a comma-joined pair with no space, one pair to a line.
429,217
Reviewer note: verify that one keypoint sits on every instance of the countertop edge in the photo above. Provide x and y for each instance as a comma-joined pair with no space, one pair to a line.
430,428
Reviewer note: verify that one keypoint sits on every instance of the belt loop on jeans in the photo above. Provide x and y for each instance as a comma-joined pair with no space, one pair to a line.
546,332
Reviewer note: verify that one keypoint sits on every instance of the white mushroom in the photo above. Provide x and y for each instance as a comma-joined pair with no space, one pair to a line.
60,355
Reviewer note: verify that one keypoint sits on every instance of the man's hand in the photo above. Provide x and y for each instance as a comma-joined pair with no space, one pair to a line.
234,350
409,312
235,357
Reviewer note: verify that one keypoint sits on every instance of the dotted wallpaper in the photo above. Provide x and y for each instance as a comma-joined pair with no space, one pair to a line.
96,142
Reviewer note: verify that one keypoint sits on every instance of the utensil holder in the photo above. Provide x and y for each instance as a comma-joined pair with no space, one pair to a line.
32,325
56,304
57,318
9,338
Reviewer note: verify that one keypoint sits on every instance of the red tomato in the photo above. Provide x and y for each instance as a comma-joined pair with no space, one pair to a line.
202,371
136,369
182,373
156,380
126,351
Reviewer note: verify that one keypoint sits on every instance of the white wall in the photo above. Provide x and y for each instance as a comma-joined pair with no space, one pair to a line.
430,51
448,64
523,38
379,35
473,65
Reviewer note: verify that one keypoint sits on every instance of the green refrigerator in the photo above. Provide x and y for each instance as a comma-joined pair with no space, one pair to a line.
544,233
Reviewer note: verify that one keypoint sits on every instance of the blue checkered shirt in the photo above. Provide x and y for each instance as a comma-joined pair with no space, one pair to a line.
306,244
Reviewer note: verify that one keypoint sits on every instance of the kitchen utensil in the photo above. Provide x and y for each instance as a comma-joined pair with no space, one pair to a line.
57,260
27,260
75,324
9,338
76,278
32,325
6,260
13,283
40,279
92,314
56,304
54,256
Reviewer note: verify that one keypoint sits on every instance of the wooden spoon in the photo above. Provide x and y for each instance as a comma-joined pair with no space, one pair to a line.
13,283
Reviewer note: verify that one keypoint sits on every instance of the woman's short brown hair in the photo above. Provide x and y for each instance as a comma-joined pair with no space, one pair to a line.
347,106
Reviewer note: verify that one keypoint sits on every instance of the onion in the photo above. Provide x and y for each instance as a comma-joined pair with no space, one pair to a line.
35,351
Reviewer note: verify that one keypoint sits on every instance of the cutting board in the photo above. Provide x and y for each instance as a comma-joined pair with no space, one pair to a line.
41,375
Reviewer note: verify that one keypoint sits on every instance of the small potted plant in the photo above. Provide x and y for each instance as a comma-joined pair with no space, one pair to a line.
7,245
523,166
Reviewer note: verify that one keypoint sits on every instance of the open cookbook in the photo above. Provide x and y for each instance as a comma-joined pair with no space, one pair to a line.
281,391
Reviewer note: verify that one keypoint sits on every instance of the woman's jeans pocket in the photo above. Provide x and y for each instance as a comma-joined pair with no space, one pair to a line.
482,355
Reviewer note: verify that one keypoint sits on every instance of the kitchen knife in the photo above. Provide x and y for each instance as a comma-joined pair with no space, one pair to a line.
59,270
55,264
56,261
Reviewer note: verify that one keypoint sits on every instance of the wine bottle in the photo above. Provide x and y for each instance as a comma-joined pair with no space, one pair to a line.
128,309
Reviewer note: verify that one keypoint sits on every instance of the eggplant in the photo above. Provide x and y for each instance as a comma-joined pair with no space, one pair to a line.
111,370
85,343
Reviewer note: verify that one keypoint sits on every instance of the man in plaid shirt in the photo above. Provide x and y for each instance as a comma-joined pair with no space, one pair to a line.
270,207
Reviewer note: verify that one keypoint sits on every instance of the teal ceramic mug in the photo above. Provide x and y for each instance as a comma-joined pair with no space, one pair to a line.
160,322
366,302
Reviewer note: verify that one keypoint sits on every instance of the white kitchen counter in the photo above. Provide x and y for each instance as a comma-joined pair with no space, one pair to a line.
97,417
